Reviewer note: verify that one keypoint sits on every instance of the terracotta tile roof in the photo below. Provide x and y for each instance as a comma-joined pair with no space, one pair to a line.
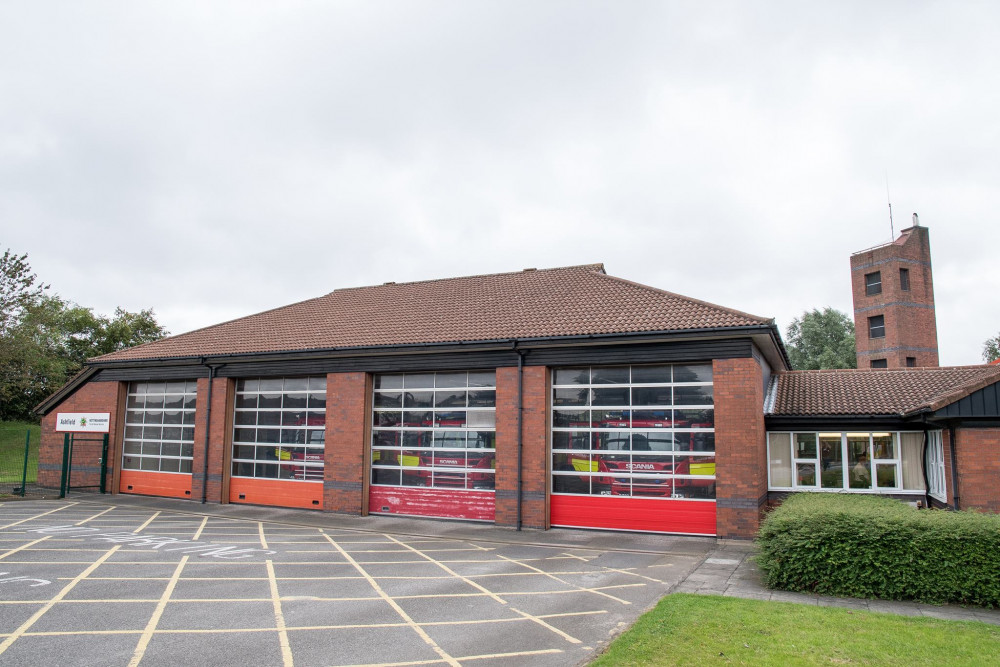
575,300
894,392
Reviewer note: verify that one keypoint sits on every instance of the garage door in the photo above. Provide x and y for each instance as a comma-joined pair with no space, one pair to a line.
279,438
434,445
158,443
633,448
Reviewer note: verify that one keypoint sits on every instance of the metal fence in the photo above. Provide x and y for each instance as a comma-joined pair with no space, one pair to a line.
18,460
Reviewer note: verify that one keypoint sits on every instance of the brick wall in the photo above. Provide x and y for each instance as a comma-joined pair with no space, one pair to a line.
741,452
91,397
534,454
978,454
220,439
347,415
910,322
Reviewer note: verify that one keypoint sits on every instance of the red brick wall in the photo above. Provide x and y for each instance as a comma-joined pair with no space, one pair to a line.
347,415
534,454
910,323
220,439
740,449
978,454
91,397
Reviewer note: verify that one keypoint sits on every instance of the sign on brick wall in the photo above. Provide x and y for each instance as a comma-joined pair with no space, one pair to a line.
83,422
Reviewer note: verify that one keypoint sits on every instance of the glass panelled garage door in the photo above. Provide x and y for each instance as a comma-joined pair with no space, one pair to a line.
279,433
633,448
434,445
158,446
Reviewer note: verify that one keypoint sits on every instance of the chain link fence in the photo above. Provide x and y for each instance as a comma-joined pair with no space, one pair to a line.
19,459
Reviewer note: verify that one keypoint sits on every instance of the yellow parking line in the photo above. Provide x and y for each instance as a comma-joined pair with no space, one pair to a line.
51,603
260,530
148,521
24,546
450,571
147,633
36,516
547,626
279,617
490,656
197,534
392,603
80,523
595,591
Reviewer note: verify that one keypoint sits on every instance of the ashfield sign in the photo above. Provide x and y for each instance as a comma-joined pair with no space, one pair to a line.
85,422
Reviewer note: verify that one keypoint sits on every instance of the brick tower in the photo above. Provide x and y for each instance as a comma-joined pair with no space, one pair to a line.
894,321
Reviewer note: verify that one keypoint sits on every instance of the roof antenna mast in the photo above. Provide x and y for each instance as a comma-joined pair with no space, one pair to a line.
892,231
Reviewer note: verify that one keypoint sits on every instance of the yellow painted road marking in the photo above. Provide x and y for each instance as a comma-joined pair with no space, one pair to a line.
51,603
80,523
392,603
36,516
595,591
24,546
148,521
197,534
490,656
535,619
451,571
260,529
154,620
279,617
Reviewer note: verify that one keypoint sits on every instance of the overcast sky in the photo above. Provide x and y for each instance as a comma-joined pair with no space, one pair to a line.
214,159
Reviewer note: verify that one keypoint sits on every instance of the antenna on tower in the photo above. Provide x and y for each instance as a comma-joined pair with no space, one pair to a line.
892,231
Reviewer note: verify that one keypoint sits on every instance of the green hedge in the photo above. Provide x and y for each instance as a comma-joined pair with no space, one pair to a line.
871,547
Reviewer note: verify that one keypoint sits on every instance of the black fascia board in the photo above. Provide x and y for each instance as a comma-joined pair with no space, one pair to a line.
451,346
791,422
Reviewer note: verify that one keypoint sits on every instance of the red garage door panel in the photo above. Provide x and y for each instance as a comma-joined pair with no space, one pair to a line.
170,485
446,503
691,517
276,492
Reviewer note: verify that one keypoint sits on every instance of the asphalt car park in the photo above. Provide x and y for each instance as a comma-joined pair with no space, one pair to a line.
127,582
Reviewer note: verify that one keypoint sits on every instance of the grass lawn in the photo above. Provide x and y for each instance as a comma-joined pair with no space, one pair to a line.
701,629
12,453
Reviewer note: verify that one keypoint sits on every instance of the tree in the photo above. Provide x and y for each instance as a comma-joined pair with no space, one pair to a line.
821,339
52,340
18,288
991,349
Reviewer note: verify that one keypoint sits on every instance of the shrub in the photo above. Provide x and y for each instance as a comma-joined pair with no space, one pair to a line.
872,547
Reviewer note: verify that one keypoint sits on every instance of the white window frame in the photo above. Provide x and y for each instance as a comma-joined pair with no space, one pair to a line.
937,482
845,481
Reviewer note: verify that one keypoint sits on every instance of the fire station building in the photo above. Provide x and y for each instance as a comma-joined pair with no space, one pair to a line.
558,397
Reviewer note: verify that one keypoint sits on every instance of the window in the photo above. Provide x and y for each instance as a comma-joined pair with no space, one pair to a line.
935,466
159,426
435,430
904,280
837,461
911,362
873,283
644,431
876,326
279,428
880,363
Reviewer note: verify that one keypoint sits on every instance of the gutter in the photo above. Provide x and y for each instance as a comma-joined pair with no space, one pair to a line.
954,466
520,431
208,429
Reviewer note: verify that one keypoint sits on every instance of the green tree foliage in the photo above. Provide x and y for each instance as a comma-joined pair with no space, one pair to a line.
18,288
45,340
821,339
991,349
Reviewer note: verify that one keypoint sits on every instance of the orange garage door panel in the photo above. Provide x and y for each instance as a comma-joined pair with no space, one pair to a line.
276,492
690,517
167,484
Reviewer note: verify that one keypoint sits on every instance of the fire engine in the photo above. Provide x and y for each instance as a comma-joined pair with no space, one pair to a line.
640,455
464,465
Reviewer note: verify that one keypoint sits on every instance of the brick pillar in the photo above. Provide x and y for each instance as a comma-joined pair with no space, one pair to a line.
219,439
978,468
91,397
347,415
740,449
534,453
